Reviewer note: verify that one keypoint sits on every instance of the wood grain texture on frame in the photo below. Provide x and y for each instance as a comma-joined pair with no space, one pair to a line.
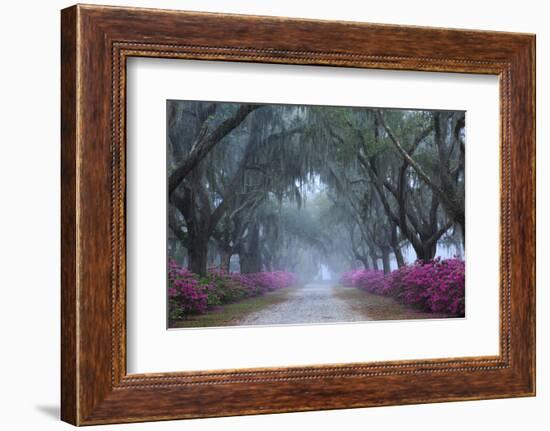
95,42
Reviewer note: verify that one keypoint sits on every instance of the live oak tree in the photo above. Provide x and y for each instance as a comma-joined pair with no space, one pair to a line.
412,210
447,177
221,180
289,187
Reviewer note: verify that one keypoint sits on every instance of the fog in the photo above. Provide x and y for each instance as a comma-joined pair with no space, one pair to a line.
313,190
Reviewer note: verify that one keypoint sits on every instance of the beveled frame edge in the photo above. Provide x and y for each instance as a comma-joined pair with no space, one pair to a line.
96,41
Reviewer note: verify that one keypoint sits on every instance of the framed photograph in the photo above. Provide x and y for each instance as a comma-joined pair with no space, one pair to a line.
265,214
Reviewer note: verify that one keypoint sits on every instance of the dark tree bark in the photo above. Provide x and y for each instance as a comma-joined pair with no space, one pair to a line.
198,233
249,263
386,259
447,144
198,254
396,247
250,257
358,254
427,252
374,259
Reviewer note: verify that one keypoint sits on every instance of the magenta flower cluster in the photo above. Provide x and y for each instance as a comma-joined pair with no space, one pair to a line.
185,290
189,294
436,286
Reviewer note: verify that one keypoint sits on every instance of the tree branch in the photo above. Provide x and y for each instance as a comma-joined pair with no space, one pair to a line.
435,237
418,169
206,142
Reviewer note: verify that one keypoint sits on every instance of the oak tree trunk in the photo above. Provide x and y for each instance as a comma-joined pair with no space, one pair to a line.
386,259
225,260
374,260
198,254
250,257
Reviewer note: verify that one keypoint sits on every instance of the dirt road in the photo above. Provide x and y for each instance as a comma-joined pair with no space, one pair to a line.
312,303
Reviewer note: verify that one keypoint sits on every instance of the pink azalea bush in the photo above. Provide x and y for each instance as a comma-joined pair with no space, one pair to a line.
436,285
186,294
371,280
189,294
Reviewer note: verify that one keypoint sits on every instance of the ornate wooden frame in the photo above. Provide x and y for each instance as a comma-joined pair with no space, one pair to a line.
95,43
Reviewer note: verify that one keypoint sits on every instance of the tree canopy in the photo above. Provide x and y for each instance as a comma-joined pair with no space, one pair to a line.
300,188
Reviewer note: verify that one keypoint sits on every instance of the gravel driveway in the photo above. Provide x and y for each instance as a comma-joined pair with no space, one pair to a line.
312,303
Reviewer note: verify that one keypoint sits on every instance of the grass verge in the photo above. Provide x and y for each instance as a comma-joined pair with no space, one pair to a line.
230,314
377,307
